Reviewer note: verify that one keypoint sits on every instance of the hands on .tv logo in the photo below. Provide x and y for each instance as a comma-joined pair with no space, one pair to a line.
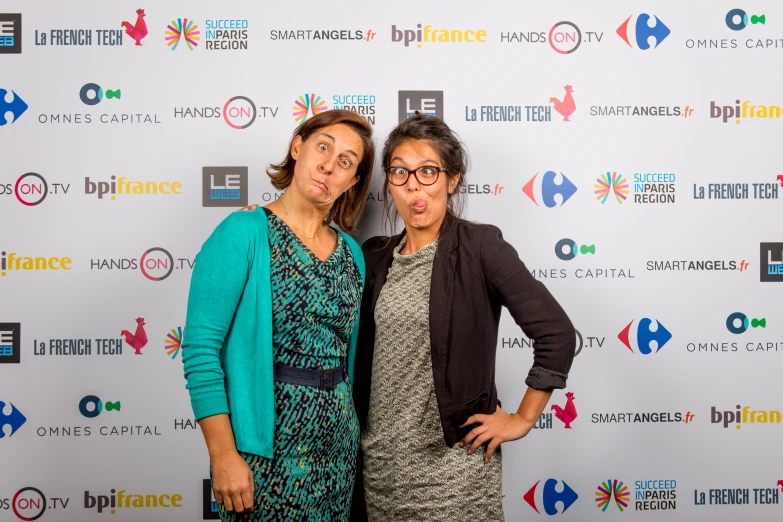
645,336
550,497
738,323
15,419
549,187
567,249
737,19
643,31
16,106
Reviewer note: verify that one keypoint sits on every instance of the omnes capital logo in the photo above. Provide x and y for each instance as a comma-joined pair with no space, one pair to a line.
744,415
567,249
771,262
117,501
428,103
11,262
138,339
351,35
566,413
754,337
308,105
183,32
645,337
224,186
612,490
30,503
10,34
738,323
564,37
31,189
156,264
549,497
428,34
122,186
738,19
10,343
642,30
547,187
91,406
92,94
11,419
743,111
174,341
11,103
566,106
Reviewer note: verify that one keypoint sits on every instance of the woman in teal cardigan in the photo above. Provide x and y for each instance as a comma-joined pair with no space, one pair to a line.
271,330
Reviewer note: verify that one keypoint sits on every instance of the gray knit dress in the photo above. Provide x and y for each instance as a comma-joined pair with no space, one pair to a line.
409,473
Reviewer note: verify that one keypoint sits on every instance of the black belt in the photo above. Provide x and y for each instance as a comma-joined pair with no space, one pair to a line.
323,379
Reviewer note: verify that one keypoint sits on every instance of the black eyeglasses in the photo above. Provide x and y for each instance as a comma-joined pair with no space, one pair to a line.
426,175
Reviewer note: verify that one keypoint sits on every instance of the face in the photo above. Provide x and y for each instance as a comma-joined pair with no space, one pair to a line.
326,163
420,206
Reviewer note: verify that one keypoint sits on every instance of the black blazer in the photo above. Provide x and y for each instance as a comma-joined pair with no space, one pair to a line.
475,273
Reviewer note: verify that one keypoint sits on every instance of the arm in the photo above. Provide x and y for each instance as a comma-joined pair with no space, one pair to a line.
543,320
218,280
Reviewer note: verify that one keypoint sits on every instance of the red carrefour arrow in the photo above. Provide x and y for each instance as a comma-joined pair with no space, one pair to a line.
623,336
528,189
530,497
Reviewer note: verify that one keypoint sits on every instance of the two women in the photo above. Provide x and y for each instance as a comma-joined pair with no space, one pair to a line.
423,382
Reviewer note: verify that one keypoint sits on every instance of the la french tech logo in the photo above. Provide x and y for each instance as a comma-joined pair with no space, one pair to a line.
567,413
647,337
548,497
138,339
642,31
545,187
566,106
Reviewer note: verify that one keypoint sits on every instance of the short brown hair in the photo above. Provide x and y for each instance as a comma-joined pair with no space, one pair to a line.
348,208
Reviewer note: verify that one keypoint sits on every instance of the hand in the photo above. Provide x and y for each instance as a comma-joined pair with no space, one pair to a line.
496,428
233,482
250,207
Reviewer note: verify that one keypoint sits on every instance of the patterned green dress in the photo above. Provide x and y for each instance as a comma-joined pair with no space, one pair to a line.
311,475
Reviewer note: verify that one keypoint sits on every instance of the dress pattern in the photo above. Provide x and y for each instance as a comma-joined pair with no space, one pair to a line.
315,304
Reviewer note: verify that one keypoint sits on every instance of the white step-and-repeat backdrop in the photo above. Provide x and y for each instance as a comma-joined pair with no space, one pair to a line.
628,150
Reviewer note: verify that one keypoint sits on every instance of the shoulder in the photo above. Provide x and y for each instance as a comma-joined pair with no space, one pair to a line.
378,244
471,233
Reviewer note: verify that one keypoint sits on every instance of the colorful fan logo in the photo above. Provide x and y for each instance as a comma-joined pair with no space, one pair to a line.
180,29
611,183
609,489
306,105
174,341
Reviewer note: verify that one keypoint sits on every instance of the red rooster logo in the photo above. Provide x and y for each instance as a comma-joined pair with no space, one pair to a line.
780,178
137,340
567,106
567,414
138,31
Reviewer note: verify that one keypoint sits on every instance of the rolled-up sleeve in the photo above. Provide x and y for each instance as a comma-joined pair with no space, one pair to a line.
218,280
533,308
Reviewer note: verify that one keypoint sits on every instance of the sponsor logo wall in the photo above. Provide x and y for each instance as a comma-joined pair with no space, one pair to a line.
628,153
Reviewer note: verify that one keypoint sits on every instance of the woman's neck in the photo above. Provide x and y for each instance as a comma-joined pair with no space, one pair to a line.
306,216
418,238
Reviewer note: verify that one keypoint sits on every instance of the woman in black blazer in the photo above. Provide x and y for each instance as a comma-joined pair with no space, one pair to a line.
424,378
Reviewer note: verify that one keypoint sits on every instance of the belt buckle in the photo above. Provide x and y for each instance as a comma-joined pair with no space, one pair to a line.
334,378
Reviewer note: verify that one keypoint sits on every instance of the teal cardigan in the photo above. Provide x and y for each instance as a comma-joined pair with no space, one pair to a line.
227,344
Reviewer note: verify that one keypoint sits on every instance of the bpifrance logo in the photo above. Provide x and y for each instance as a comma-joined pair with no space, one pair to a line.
12,418
16,106
551,184
643,31
612,490
643,336
549,497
